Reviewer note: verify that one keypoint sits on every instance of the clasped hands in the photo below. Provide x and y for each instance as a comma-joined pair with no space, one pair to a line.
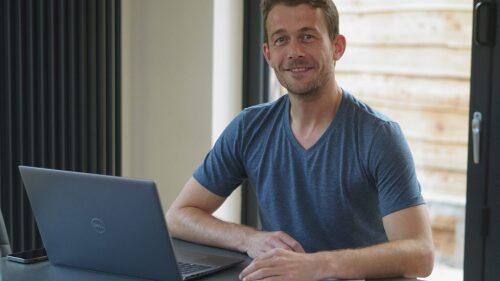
277,256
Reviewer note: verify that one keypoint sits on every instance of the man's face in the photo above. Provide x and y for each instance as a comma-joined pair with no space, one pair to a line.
299,48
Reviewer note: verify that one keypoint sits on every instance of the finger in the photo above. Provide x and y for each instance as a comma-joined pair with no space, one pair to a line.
271,258
248,270
291,243
258,270
278,243
265,260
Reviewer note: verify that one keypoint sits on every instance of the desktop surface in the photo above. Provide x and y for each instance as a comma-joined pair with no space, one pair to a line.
45,271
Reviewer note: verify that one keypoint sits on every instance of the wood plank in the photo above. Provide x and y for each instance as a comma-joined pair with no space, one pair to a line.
442,182
431,27
442,127
424,62
415,105
410,74
356,5
410,93
439,156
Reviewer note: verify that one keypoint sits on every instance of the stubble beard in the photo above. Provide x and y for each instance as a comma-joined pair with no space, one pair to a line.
302,90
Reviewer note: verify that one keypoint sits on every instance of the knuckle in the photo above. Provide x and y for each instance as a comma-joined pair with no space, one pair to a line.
269,239
277,251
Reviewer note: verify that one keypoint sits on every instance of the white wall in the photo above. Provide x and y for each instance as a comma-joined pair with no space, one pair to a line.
227,82
167,82
181,72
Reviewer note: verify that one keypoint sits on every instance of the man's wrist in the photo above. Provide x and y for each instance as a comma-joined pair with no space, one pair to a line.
244,237
326,265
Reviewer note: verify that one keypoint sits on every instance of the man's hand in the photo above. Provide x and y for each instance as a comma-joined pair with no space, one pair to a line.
280,264
259,243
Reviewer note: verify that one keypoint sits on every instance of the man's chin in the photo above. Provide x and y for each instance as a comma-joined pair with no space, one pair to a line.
306,92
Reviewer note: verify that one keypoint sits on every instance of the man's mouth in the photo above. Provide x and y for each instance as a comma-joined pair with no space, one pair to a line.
299,69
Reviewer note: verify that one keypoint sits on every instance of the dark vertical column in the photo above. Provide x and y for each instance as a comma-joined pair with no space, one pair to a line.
7,122
18,117
101,93
92,84
39,94
492,242
477,173
28,111
60,93
117,141
255,89
72,109
59,98
82,88
110,87
50,117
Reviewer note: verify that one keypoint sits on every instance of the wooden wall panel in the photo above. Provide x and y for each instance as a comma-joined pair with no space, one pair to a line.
409,28
442,127
389,5
435,183
409,92
441,156
422,61
411,61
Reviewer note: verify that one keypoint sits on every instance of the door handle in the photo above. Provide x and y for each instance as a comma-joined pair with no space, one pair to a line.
476,132
484,23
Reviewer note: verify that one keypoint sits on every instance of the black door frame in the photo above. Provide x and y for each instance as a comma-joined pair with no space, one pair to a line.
482,176
255,90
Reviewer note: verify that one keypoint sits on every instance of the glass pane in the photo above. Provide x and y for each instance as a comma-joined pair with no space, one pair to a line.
411,60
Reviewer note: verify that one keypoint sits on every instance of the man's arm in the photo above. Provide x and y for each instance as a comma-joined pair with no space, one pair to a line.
190,218
408,253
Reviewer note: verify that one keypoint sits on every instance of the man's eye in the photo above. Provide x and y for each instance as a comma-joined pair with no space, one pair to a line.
308,37
279,40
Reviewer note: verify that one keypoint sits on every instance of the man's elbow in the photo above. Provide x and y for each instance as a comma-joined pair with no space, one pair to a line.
423,261
172,218
428,261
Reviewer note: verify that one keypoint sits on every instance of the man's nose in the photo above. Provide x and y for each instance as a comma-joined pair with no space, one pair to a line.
296,50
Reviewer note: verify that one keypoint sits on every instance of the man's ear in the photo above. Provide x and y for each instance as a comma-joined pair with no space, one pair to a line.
267,54
339,45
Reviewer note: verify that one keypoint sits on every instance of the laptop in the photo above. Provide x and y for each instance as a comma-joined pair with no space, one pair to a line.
110,224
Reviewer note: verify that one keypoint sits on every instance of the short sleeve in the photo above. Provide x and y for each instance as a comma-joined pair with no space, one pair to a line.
393,170
222,170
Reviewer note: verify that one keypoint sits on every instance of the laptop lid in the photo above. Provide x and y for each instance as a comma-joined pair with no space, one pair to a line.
104,223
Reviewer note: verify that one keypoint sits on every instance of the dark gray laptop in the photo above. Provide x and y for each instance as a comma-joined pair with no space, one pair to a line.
109,224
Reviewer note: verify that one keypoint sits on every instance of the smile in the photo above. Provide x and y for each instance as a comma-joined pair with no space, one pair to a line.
299,69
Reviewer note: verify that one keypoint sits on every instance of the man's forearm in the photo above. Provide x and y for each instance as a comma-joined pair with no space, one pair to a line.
193,224
408,258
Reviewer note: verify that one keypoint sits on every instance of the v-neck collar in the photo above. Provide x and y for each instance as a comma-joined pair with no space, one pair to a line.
322,138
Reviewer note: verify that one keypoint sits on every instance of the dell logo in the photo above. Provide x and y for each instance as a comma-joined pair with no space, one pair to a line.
98,225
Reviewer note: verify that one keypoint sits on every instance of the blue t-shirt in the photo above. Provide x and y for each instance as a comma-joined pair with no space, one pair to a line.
330,196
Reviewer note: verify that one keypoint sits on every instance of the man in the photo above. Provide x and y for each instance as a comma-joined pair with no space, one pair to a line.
335,180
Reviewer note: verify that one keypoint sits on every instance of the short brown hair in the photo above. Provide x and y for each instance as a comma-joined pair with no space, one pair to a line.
327,6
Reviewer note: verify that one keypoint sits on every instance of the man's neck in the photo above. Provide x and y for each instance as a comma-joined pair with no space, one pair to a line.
311,115
306,111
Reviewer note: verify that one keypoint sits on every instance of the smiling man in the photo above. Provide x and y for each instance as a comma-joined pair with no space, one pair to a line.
335,179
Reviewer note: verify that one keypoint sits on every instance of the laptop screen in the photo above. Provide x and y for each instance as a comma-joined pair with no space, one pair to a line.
103,223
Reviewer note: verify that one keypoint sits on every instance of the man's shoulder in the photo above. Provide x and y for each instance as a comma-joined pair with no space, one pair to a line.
264,107
363,110
363,115
366,122
262,112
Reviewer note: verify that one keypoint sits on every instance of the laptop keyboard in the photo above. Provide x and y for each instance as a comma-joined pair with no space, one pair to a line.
187,268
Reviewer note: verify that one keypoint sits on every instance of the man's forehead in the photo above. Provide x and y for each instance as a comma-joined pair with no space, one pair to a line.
284,18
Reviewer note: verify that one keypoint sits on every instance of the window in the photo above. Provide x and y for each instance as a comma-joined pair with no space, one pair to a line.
411,61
